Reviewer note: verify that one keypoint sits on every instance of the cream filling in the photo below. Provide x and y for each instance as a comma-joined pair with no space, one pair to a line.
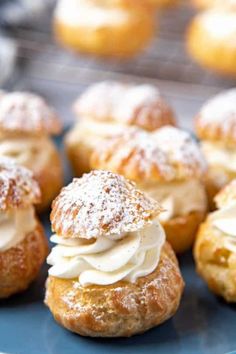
219,156
104,261
225,221
14,227
86,13
220,24
178,198
27,151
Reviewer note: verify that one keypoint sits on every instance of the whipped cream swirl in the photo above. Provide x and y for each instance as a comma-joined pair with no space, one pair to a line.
104,261
225,221
15,225
178,198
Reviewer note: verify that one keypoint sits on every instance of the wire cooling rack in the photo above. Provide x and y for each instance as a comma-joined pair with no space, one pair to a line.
61,76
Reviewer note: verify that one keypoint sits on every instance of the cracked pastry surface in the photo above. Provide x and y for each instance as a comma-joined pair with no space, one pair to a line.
26,123
109,246
215,248
168,166
23,244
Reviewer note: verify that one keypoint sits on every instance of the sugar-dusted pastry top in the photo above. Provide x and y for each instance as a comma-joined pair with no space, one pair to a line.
165,155
23,112
128,104
227,195
217,119
17,186
101,204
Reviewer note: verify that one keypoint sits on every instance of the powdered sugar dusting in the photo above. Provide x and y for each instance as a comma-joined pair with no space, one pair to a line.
101,204
167,154
218,115
125,103
182,151
29,113
17,185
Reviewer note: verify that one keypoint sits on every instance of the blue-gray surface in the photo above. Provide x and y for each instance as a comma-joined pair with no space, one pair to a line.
203,324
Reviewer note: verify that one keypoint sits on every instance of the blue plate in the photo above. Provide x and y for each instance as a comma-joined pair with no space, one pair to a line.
203,324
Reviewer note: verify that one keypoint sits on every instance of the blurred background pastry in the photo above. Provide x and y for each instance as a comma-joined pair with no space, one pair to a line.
26,123
163,3
104,27
106,109
168,165
216,128
215,249
23,244
204,4
211,39
110,249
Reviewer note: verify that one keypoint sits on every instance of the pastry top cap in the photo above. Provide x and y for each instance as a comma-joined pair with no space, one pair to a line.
165,155
227,195
101,204
18,188
128,104
24,112
217,118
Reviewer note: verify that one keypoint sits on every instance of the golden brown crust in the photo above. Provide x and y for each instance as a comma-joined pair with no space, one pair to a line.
216,120
204,47
110,40
214,262
50,179
20,265
181,230
129,104
101,204
122,309
163,3
165,155
18,188
27,113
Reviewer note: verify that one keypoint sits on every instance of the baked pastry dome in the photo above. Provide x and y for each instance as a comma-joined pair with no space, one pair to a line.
26,123
215,248
216,128
106,109
103,27
168,165
111,252
23,244
211,39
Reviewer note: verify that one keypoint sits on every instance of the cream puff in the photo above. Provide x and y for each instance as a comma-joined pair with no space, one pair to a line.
106,109
23,244
112,273
216,128
169,167
26,123
211,39
215,248
104,27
